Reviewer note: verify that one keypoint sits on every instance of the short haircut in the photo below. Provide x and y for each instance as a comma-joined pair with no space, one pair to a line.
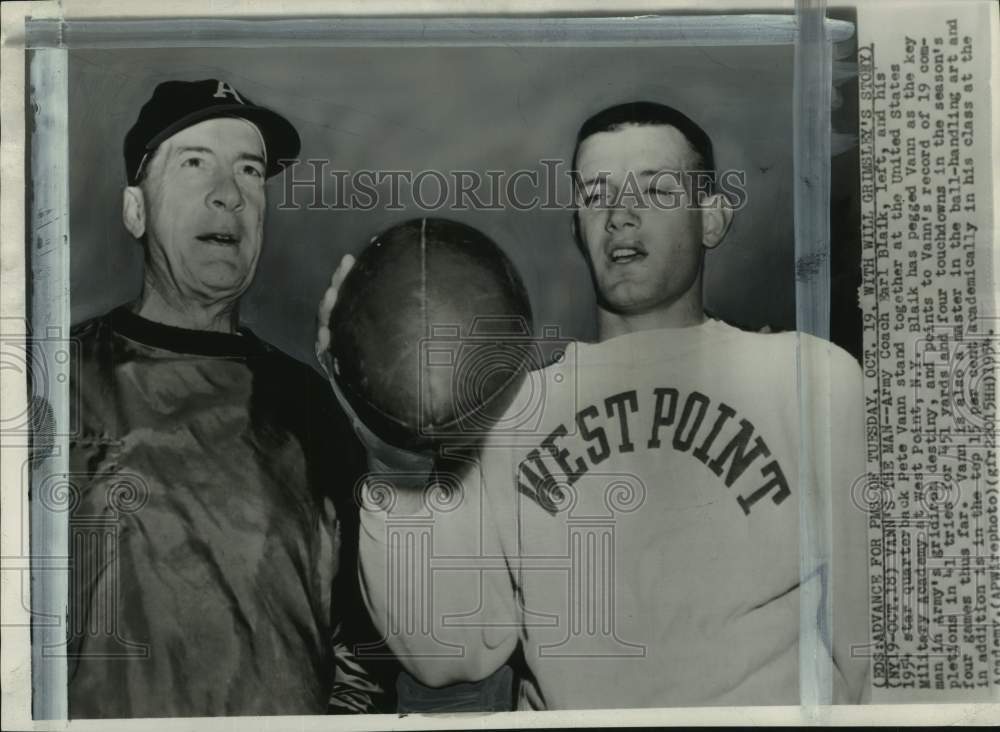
649,114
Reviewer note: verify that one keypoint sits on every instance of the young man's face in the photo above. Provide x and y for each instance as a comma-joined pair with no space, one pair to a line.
645,250
203,210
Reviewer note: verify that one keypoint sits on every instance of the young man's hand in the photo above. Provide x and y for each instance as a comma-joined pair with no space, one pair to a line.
329,299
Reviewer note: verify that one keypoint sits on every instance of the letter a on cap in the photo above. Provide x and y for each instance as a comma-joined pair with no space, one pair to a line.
224,90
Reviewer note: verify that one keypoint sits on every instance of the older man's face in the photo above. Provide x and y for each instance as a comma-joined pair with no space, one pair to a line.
204,211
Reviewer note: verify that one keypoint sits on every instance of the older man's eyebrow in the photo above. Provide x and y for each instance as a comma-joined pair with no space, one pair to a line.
252,156
200,149
193,148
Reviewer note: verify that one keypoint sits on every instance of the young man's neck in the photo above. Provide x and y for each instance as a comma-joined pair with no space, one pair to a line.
217,318
683,313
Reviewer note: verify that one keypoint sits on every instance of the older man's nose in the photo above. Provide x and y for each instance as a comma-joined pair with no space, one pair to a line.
226,194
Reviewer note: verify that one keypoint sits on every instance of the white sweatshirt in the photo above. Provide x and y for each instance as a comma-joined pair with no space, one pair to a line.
633,522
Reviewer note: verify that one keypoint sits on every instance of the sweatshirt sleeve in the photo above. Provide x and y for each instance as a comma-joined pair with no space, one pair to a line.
434,572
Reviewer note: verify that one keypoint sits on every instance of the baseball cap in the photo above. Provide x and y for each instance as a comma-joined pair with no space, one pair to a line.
176,105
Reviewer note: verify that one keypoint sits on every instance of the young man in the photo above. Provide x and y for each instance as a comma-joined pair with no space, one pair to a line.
641,544
206,532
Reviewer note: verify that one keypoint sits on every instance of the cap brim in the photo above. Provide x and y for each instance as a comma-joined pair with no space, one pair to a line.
280,136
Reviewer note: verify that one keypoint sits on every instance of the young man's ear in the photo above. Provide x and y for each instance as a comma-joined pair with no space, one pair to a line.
716,218
134,211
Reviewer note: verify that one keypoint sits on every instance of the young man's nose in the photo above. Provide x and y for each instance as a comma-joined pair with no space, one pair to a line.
621,217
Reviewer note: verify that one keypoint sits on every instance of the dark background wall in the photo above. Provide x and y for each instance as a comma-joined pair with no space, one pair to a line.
445,109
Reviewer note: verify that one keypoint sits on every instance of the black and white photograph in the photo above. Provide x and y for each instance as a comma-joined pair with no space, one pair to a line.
421,366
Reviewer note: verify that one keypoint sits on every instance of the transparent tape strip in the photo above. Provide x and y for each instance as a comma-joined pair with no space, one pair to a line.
48,254
679,30
811,155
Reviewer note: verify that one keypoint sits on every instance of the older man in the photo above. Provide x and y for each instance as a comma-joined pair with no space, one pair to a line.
208,530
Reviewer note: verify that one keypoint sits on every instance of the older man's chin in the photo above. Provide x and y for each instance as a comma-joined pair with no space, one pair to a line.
224,280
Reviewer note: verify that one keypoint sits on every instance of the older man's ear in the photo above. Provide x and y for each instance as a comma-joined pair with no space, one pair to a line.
134,211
